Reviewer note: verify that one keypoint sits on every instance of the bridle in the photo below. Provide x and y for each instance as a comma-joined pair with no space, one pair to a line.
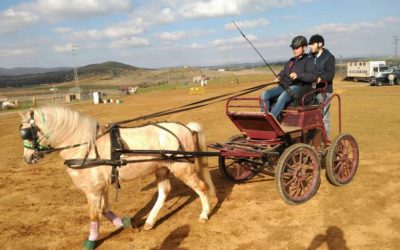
32,141
30,135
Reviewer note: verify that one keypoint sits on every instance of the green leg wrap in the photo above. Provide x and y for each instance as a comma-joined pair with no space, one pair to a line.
89,244
126,222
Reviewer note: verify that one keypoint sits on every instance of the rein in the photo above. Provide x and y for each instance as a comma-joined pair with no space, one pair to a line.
49,149
197,104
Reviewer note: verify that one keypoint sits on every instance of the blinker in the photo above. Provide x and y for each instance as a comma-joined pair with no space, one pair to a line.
26,133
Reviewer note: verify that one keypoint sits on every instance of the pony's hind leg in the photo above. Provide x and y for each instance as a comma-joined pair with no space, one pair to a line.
164,187
186,172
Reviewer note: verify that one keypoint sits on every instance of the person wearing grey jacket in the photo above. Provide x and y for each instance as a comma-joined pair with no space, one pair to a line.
325,66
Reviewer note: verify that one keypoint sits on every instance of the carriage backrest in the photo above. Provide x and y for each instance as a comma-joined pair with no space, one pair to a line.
257,125
254,124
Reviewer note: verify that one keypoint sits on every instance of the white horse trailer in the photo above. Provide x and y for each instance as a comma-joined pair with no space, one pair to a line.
363,70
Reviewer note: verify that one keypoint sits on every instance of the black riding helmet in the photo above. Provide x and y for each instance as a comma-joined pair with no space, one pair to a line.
317,39
298,41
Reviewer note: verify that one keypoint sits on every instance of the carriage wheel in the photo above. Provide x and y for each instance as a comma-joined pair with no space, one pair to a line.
342,160
297,174
237,169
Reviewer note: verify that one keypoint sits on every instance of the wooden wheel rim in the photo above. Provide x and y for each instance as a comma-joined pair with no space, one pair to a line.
345,159
300,174
238,169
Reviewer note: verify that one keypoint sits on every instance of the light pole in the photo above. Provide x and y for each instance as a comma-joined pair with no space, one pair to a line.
395,40
74,49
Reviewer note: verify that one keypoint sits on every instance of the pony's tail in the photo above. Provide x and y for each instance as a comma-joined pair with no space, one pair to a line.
202,162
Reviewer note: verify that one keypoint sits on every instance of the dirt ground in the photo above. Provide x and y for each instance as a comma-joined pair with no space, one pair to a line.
41,209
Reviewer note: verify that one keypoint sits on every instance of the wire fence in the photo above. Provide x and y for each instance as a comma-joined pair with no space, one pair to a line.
28,100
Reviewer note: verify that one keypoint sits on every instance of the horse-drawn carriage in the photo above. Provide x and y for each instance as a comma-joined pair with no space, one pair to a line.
293,150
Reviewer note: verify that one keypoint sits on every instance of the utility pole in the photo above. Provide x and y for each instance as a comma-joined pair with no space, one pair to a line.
395,40
74,49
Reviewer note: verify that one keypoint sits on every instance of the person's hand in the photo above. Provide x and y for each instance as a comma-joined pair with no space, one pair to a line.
277,80
318,79
293,76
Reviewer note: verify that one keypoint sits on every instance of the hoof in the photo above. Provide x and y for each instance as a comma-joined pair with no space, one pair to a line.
126,222
203,220
89,244
147,226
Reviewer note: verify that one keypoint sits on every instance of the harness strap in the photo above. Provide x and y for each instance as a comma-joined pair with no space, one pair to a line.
169,131
116,142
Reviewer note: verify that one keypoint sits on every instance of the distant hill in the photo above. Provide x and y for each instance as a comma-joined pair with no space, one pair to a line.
29,71
35,76
112,69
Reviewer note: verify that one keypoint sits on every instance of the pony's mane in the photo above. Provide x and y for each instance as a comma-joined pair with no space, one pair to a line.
64,126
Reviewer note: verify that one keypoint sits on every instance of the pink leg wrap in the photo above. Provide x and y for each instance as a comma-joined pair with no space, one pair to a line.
113,218
94,230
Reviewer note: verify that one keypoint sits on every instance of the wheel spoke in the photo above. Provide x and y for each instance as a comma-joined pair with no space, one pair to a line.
301,157
293,159
297,191
288,184
230,164
287,175
337,166
291,167
301,187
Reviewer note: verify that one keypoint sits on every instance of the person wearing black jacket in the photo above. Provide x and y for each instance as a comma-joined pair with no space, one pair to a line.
325,66
297,75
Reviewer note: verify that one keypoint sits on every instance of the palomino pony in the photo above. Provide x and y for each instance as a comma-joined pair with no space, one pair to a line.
78,136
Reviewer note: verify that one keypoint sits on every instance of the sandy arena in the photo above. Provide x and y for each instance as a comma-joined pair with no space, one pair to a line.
40,208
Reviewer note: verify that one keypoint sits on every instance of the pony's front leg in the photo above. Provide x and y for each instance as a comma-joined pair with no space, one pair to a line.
94,198
164,187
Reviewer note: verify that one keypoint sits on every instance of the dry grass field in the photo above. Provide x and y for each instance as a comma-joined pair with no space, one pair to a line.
41,209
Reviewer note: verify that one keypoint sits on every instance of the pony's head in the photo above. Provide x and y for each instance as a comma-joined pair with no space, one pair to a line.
47,127
33,138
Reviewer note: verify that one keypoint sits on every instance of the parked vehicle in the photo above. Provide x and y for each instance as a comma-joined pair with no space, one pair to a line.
387,75
363,70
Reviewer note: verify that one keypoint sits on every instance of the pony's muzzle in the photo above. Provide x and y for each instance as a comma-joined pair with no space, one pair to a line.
32,157
28,159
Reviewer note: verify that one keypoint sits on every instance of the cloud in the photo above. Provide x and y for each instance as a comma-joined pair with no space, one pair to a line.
213,8
28,13
63,48
346,28
63,30
124,29
234,40
12,19
15,52
164,15
56,10
180,35
129,42
391,19
246,24
172,36
195,46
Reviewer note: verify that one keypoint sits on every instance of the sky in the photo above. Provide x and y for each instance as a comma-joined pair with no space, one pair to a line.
170,33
